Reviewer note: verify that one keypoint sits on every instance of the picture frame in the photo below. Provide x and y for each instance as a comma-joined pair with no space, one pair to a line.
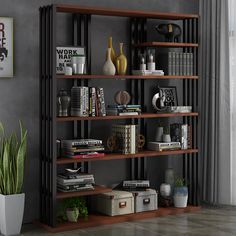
63,56
6,47
169,96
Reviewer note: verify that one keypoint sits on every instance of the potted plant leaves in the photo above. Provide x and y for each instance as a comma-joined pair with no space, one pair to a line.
12,200
72,208
180,193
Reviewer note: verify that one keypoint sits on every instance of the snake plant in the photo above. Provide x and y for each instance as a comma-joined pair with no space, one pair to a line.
12,161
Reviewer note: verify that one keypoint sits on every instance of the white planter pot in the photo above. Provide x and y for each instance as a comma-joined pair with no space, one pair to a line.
72,214
180,201
11,213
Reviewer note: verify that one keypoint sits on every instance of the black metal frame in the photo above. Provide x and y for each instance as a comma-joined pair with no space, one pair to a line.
48,88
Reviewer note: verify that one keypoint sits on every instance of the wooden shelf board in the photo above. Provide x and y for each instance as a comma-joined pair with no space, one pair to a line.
97,190
66,8
101,220
143,115
118,77
166,44
117,156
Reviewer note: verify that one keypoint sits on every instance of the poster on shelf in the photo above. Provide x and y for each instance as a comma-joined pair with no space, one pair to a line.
63,56
6,47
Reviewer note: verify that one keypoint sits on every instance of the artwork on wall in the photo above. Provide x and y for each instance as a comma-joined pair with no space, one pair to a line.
6,47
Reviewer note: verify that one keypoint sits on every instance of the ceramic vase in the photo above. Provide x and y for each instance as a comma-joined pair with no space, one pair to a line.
72,214
181,197
159,133
113,54
165,190
121,62
108,67
166,138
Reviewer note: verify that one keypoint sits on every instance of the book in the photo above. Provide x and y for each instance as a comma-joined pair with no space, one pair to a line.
160,146
184,63
80,142
82,188
128,113
177,62
87,155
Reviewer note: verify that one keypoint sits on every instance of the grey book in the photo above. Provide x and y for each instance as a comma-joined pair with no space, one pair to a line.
180,63
177,63
173,63
185,63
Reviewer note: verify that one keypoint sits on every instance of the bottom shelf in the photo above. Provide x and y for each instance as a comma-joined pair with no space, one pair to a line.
99,220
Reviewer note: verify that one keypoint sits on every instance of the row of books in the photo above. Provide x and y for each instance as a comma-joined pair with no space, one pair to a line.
127,138
122,110
87,101
69,182
176,63
82,148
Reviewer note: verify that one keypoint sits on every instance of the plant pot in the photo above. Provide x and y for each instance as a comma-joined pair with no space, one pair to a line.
12,210
72,214
180,197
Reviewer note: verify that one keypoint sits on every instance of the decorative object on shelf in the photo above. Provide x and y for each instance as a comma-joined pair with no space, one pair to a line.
122,98
124,110
165,190
141,141
142,65
165,98
68,69
63,101
181,109
113,54
147,72
180,193
112,143
170,177
63,56
6,47
121,62
12,200
161,146
159,134
109,67
166,135
171,31
78,64
151,63
70,209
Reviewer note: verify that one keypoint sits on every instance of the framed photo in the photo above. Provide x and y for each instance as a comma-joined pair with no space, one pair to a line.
63,56
6,47
169,96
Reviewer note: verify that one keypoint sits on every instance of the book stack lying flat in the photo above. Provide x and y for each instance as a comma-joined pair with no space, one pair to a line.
82,148
160,146
87,101
75,182
123,110
127,138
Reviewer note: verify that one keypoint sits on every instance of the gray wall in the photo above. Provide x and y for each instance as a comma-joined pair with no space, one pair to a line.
19,95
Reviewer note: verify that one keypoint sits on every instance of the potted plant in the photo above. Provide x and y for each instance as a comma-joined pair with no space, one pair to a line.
72,208
12,200
180,193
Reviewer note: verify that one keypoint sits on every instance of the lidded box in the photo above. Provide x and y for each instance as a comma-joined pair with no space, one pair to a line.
115,203
145,200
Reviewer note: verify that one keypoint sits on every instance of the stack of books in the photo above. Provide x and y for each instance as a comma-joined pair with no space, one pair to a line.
82,148
176,63
68,182
87,101
127,138
123,110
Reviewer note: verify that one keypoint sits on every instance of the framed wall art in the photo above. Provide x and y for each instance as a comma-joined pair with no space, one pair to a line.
169,96
6,47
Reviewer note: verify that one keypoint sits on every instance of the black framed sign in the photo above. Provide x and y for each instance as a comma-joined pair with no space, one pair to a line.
169,96
6,47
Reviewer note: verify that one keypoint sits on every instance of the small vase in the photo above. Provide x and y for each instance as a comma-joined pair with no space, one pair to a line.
108,67
166,138
113,54
159,133
121,62
165,190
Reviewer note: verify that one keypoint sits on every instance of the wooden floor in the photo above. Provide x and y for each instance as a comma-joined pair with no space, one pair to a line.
99,220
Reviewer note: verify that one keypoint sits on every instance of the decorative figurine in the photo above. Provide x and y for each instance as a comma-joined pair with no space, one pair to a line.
171,32
63,100
122,97
121,62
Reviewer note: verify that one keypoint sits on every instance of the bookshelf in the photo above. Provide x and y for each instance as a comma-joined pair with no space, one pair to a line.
81,22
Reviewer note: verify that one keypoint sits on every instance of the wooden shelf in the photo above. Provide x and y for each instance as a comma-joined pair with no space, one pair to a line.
117,156
144,115
66,8
101,220
166,44
97,190
122,77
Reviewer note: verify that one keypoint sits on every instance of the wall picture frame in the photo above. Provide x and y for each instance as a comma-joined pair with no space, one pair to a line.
6,47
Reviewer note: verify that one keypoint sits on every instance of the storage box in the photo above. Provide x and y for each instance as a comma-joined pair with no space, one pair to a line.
145,200
114,203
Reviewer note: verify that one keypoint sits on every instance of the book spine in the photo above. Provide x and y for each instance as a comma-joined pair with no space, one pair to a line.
93,101
177,63
90,101
173,63
180,63
170,63
190,140
188,64
184,63
102,102
184,136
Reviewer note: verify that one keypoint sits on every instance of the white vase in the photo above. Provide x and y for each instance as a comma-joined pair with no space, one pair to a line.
159,133
166,138
109,67
165,190
11,213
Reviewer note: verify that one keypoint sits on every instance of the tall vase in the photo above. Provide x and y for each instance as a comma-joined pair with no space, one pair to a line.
113,54
108,67
121,62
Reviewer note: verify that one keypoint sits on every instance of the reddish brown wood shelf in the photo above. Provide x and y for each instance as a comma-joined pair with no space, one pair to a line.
117,156
121,77
97,190
143,115
166,44
66,8
101,220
